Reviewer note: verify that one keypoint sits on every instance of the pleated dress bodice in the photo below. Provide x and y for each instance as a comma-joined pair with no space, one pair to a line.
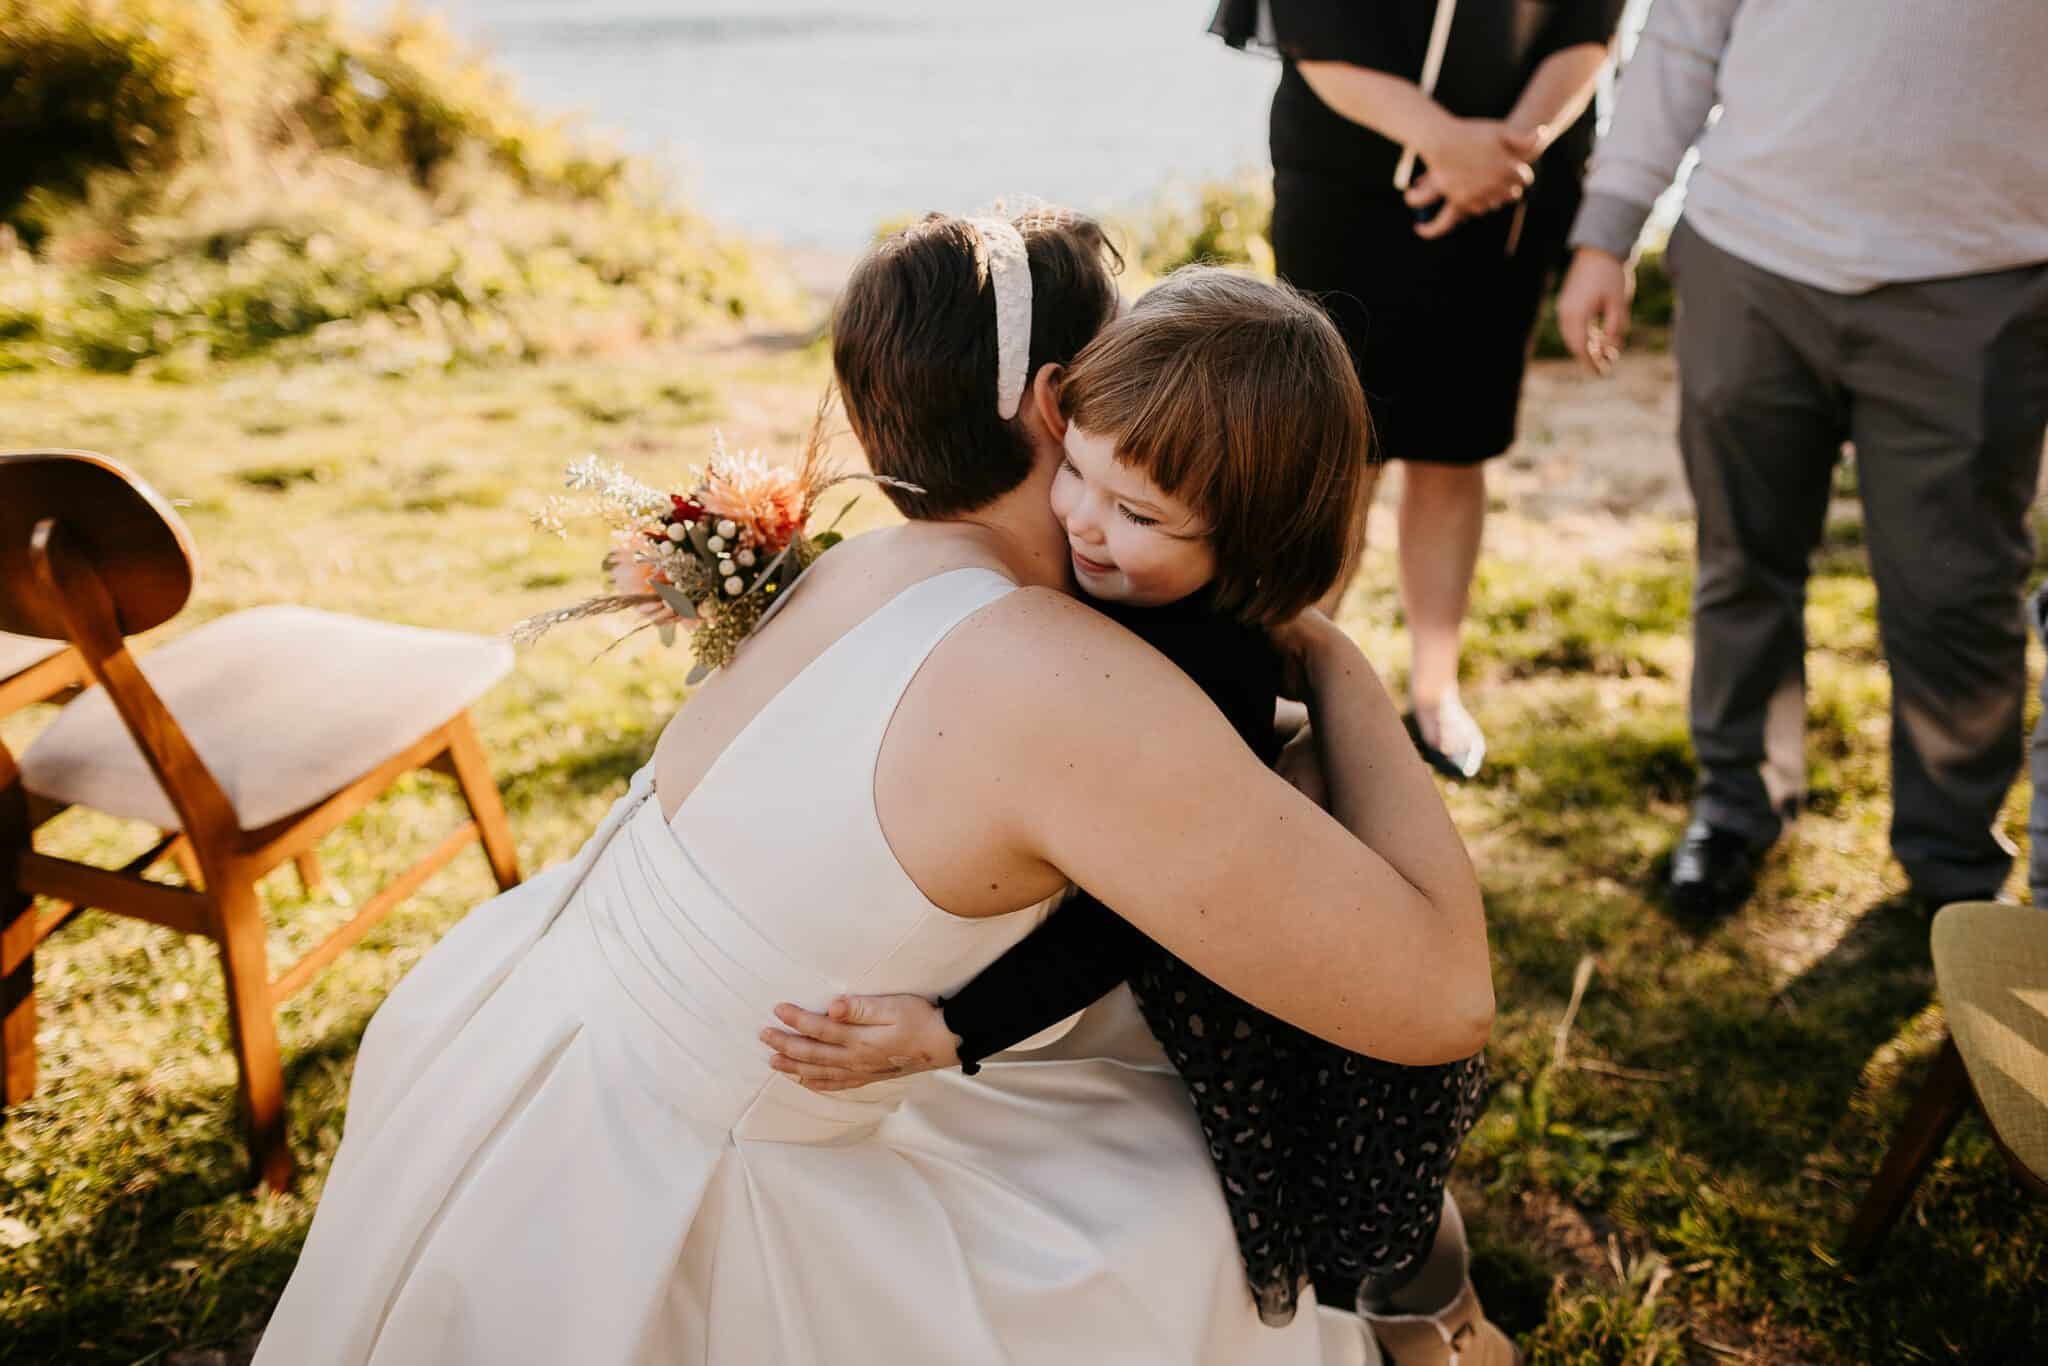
775,882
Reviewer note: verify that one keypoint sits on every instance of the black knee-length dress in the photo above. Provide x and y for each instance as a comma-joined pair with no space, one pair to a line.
1440,330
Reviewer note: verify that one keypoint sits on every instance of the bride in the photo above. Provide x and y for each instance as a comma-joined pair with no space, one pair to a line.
564,1142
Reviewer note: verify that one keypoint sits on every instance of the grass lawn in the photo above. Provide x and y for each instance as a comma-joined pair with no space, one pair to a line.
1664,1181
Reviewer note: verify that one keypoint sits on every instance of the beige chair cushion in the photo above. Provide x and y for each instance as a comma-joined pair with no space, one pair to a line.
286,705
19,652
1992,964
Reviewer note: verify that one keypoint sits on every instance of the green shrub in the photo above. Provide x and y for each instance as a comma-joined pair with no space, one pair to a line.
141,85
186,181
85,89
1221,222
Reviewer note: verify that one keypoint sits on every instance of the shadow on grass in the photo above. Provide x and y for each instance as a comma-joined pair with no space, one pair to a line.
1738,1121
591,771
1788,1061
149,1271
1513,1282
1758,1142
1960,1278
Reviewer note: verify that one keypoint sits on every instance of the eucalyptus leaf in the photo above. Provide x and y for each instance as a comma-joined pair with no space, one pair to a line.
698,673
667,632
676,602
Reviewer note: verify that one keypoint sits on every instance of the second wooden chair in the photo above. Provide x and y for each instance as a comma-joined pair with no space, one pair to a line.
1991,962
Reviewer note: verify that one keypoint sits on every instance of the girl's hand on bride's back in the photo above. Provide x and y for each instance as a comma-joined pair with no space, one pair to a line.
1302,642
860,1040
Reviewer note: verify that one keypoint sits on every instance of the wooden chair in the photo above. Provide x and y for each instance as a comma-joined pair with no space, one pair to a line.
34,670
1991,963
246,740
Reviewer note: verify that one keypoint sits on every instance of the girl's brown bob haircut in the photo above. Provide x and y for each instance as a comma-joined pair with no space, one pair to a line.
914,352
1237,397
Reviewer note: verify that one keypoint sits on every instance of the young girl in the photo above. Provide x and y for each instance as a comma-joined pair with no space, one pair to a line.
1205,509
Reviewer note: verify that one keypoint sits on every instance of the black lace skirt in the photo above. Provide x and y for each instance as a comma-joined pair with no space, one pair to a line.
1333,1164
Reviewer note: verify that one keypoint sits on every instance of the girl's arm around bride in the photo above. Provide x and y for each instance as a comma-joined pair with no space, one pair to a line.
1098,762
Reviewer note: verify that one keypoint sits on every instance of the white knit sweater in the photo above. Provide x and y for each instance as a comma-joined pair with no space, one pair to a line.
1860,142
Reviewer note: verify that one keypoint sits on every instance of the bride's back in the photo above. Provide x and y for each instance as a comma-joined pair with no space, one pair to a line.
811,699
835,595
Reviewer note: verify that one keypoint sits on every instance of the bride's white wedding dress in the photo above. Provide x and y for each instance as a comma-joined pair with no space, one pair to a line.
564,1144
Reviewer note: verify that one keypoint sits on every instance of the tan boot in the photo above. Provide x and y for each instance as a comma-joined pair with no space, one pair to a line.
1456,1335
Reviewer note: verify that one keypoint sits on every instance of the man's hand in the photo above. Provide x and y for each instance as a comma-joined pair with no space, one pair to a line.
1592,308
1476,166
860,1040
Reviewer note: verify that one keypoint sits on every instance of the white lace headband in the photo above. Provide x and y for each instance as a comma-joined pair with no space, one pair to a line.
999,253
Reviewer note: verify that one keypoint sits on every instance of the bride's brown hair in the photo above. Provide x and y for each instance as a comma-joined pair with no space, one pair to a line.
914,351
1237,397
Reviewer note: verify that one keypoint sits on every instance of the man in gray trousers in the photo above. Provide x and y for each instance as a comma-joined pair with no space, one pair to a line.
1863,258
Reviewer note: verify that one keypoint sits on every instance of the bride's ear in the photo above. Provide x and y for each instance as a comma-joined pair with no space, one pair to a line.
1045,400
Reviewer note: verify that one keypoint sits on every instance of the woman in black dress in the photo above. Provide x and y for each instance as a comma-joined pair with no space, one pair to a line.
1427,156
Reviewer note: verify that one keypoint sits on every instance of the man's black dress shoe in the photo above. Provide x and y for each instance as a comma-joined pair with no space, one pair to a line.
1712,871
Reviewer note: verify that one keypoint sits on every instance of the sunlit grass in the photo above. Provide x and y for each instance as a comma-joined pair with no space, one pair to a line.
1676,1185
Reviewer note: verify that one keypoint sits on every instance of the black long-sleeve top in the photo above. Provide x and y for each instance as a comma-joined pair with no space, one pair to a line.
1332,1163
1494,48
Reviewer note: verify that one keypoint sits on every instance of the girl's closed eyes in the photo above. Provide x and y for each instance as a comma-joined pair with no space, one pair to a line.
1129,540
1123,509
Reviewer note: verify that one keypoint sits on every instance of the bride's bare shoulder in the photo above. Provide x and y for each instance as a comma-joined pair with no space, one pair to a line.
1047,648
1035,621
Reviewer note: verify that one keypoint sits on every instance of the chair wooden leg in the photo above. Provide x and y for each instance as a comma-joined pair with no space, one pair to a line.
17,946
1941,1102
480,790
188,864
311,879
252,1026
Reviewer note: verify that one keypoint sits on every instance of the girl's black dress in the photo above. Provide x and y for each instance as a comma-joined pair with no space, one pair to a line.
1440,330
1332,1163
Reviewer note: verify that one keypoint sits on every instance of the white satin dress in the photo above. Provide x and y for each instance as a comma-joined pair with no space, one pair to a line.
564,1144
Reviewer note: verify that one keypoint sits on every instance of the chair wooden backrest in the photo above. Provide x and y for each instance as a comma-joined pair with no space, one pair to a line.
133,540
90,553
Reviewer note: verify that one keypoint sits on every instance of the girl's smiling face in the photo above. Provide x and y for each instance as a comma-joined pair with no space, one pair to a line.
1130,541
